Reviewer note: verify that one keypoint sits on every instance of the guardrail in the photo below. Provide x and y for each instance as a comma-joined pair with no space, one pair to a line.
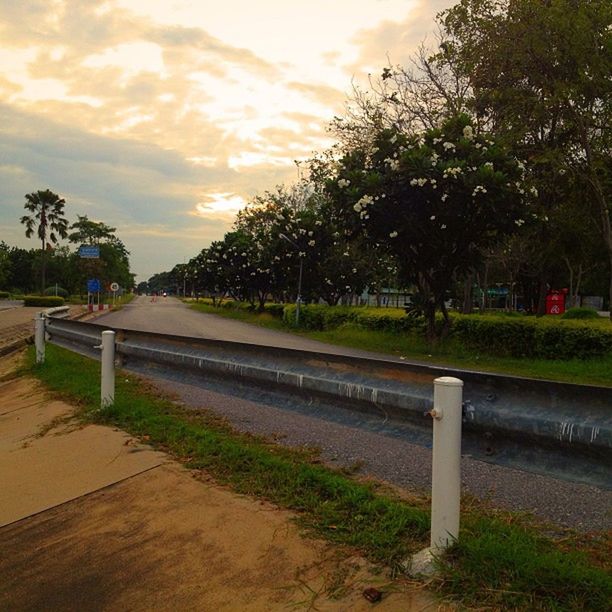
559,428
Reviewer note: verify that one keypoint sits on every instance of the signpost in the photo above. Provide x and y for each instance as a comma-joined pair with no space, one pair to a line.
93,287
114,287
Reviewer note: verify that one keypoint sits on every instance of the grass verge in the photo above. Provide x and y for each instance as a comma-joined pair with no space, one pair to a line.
582,371
499,561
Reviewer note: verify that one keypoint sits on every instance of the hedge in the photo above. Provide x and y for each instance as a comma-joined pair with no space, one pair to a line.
48,301
580,312
4,294
530,337
508,336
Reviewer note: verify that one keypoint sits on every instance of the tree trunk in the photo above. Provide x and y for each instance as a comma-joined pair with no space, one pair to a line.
542,291
43,263
468,300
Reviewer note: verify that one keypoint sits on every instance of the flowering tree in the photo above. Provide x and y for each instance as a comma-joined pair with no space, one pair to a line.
437,200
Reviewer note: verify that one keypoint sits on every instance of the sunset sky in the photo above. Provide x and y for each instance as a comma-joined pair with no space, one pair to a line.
163,117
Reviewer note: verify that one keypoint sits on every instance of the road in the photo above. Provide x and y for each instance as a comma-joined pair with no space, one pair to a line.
170,316
348,440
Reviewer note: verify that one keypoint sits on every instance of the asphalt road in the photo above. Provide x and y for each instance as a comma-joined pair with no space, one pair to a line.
345,438
170,316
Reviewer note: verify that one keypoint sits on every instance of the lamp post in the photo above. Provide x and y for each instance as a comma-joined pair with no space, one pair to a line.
298,300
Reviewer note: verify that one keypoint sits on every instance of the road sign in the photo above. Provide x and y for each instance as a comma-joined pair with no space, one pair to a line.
89,252
93,285
114,286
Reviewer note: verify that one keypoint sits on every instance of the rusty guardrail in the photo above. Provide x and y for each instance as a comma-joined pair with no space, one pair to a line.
559,428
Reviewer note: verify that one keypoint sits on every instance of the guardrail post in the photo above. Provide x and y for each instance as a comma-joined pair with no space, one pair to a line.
107,383
39,337
446,463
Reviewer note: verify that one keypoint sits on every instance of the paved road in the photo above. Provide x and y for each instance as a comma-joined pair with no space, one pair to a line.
170,316
346,438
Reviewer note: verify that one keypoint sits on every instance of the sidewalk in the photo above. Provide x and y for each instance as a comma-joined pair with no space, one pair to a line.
90,519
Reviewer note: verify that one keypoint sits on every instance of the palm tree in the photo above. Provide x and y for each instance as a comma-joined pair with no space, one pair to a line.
47,211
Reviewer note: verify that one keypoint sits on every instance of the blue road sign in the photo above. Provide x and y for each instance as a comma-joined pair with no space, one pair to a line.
93,285
89,252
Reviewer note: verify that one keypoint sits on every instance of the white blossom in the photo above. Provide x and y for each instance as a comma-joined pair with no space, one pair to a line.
357,207
343,183
534,192
452,172
444,197
311,243
393,235
468,132
392,163
488,165
479,188
443,226
393,140
432,218
561,171
448,146
437,140
519,222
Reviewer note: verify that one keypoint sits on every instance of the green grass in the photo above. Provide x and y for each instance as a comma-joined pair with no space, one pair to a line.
500,561
584,371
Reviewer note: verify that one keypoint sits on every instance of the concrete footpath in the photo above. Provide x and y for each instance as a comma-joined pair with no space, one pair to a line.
90,519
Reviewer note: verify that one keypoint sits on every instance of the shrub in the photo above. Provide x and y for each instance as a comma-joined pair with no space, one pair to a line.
4,295
580,312
529,337
48,301
276,310
56,291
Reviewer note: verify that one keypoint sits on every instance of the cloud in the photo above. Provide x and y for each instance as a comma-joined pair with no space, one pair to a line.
140,121
396,41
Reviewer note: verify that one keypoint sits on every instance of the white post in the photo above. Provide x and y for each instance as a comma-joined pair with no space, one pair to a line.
107,385
39,337
446,464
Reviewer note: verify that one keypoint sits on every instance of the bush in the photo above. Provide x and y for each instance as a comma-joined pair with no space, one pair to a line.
580,312
529,337
56,291
4,295
49,301
276,310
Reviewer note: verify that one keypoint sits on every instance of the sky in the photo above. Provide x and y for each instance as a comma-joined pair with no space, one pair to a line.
163,118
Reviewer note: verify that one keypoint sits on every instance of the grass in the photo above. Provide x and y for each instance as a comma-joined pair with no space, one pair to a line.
583,371
500,561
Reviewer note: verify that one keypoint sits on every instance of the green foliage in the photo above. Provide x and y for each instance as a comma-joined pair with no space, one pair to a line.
4,294
276,310
46,301
529,337
580,312
521,570
56,291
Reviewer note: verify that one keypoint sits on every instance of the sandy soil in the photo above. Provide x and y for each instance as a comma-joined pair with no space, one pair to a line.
145,533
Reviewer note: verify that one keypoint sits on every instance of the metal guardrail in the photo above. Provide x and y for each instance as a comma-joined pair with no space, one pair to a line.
59,312
562,428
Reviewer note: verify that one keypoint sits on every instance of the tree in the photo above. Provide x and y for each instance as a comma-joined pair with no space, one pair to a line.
438,200
113,265
539,72
47,216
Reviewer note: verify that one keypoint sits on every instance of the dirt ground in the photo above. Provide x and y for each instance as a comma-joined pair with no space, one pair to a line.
92,520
